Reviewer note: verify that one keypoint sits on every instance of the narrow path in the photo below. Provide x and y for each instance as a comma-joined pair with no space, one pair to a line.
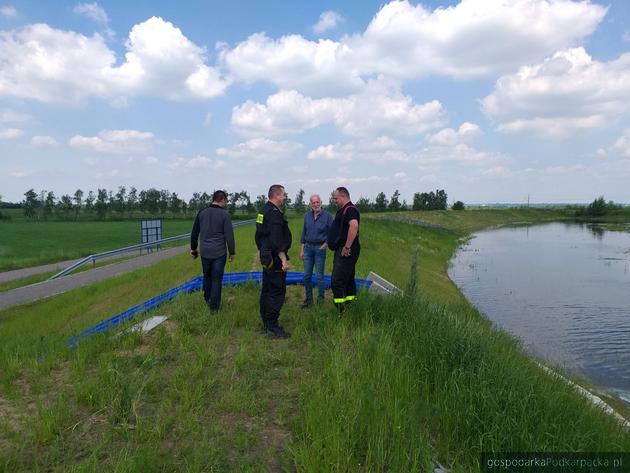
49,288
14,274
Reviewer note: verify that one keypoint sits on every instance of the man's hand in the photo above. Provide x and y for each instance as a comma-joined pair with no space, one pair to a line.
285,262
231,258
345,251
324,246
194,254
302,254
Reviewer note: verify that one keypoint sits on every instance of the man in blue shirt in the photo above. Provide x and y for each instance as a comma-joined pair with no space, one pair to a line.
313,250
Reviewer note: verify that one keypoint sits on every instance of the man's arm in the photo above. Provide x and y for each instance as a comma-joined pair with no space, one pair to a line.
194,237
276,240
302,239
228,231
353,230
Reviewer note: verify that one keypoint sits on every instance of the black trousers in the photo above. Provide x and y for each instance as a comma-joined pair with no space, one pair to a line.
272,294
344,288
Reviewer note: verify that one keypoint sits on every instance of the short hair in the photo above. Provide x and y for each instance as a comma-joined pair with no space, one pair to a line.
343,191
275,190
218,196
314,195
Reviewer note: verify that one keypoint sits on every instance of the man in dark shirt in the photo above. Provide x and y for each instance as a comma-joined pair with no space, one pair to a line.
214,225
343,239
313,250
273,240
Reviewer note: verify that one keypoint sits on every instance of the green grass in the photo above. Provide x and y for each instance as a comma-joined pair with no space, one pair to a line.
394,385
25,244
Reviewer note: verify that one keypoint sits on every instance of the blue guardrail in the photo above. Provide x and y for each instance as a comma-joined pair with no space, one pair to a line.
195,284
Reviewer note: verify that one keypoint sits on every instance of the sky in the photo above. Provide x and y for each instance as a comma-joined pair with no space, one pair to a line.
490,100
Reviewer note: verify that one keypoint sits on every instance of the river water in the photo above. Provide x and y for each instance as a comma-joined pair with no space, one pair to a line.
563,289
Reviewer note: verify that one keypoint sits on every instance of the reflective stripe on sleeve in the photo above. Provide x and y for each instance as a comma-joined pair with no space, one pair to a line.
260,218
339,300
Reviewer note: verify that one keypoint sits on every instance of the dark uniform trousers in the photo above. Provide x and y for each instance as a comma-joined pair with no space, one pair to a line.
342,280
272,294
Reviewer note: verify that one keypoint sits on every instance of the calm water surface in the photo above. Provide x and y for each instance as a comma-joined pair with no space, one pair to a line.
563,289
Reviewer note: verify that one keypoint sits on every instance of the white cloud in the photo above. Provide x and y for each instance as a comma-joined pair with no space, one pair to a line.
114,142
563,170
102,175
626,36
196,163
472,39
400,175
208,120
10,116
293,62
43,141
568,92
328,20
369,113
261,150
50,65
151,160
18,174
498,172
8,10
10,133
467,131
93,11
336,152
621,147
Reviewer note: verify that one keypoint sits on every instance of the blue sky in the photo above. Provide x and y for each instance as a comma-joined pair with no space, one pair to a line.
491,100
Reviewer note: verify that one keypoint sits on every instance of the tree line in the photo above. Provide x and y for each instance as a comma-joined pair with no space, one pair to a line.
123,202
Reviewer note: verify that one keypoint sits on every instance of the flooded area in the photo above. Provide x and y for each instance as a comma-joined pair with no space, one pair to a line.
563,289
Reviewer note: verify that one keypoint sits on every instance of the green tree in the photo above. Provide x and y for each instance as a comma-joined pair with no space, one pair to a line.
332,204
458,205
120,200
101,203
176,203
89,201
260,201
380,204
49,204
65,206
78,202
132,199
149,200
164,201
299,206
364,204
394,203
30,203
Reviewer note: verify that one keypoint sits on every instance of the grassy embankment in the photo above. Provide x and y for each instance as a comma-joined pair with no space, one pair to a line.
393,385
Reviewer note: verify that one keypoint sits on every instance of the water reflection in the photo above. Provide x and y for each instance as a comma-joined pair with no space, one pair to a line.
563,289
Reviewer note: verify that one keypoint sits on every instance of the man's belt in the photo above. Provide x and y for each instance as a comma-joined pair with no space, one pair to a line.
320,243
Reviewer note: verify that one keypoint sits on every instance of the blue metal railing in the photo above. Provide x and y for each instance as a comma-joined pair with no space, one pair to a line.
229,279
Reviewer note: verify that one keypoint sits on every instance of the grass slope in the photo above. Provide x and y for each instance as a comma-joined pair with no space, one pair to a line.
393,386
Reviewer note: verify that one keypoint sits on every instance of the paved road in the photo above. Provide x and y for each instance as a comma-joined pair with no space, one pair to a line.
67,283
7,276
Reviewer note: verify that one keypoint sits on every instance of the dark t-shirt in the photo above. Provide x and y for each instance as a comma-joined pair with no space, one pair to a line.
338,233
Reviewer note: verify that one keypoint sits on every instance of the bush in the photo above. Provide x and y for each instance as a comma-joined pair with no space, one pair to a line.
459,205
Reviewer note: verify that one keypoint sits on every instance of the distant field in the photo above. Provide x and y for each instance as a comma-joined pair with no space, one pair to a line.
24,244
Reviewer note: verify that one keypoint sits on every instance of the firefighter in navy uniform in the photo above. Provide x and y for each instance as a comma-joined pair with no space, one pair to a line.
343,239
273,239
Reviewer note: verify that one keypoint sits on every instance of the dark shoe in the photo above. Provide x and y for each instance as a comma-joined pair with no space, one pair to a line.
306,304
277,332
